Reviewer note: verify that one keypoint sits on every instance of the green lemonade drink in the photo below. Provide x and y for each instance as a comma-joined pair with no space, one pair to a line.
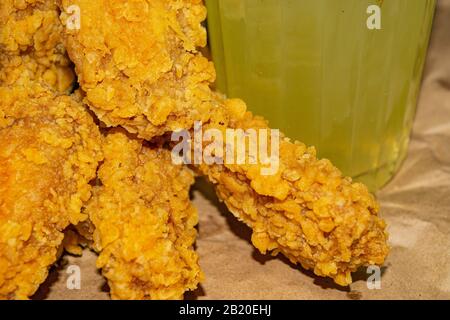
342,75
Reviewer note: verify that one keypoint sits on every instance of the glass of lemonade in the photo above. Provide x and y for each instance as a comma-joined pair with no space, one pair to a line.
342,75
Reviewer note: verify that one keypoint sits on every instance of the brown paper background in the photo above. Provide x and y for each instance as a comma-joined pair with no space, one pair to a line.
416,205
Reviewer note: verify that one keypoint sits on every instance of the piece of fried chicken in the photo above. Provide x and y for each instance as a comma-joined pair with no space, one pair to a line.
49,151
143,222
31,47
138,64
307,211
133,73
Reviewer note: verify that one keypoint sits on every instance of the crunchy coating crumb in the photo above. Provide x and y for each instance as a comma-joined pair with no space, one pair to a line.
31,47
49,151
140,67
144,222
74,242
307,211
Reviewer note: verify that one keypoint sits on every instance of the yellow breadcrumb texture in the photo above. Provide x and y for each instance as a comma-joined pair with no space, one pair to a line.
307,210
144,222
31,47
49,151
138,64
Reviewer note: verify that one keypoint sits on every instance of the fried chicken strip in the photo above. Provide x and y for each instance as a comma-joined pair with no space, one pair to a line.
49,151
138,64
144,223
31,47
307,211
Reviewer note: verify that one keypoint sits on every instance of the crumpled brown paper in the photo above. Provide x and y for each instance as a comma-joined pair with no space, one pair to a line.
416,205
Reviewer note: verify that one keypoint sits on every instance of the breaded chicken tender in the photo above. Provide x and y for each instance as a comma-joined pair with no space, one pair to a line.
144,223
49,151
140,70
31,47
307,211
138,64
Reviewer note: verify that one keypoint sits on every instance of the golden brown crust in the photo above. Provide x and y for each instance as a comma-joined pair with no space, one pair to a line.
307,211
31,47
49,151
140,68
144,222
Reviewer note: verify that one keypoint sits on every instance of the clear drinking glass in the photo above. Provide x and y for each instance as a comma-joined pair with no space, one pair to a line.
317,71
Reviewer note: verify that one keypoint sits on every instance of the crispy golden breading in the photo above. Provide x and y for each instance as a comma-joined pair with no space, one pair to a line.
49,151
138,64
138,71
144,222
31,46
307,211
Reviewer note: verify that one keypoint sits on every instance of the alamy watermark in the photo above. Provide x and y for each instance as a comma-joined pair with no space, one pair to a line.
73,281
374,19
73,21
374,280
231,146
